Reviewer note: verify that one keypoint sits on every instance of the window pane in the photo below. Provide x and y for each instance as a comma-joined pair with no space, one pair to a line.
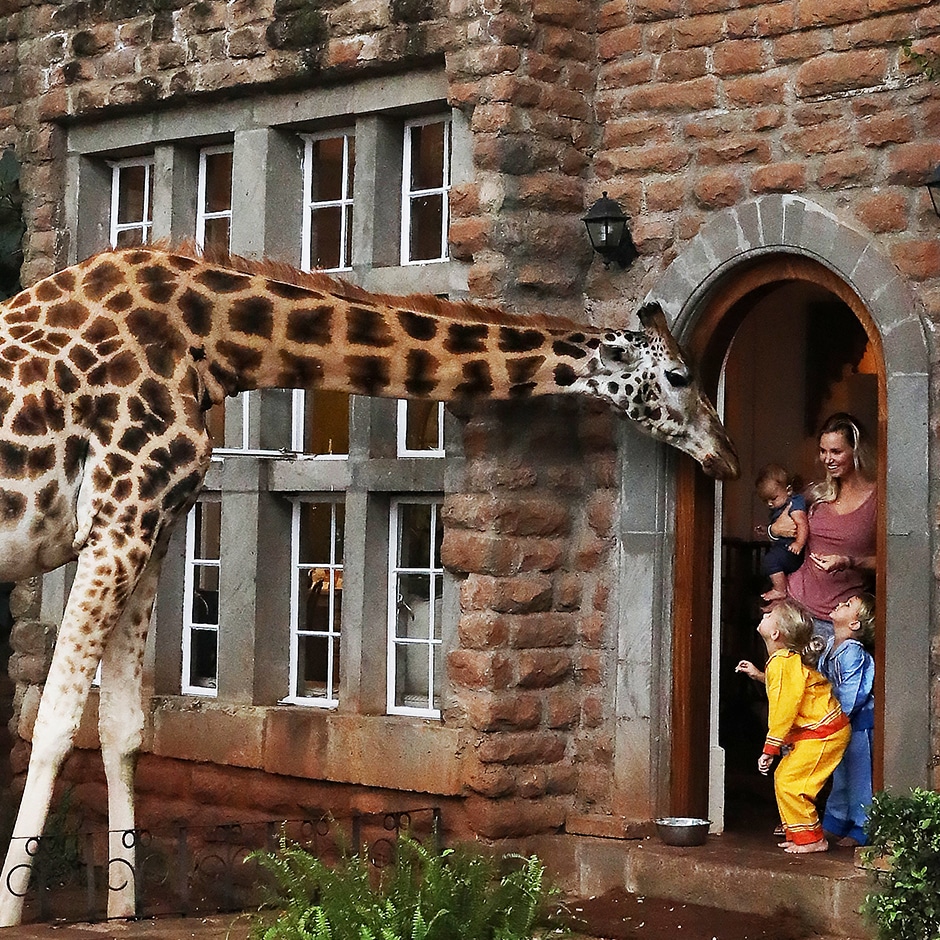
327,169
422,425
208,530
315,678
218,182
427,223
132,180
412,679
128,238
414,546
317,523
326,238
427,155
206,595
320,595
326,423
204,659
218,232
273,422
414,614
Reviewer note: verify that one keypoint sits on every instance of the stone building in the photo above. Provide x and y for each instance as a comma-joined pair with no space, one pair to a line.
539,607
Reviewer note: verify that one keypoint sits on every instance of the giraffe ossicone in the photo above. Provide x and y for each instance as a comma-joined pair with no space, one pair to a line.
106,371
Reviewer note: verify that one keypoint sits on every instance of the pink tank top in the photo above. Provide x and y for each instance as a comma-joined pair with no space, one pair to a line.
833,534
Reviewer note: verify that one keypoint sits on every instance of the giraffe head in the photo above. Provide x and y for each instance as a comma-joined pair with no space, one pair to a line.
645,376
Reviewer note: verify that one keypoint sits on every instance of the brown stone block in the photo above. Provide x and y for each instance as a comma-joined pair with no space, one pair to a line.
589,552
821,138
695,95
612,15
682,65
563,709
830,12
702,30
841,169
774,19
480,670
740,24
512,712
910,164
718,189
522,747
657,158
510,29
893,127
919,259
646,10
223,735
799,47
542,630
590,668
568,588
551,192
738,57
875,31
779,178
542,669
504,819
171,779
889,6
622,41
467,236
482,630
841,71
885,211
593,628
491,780
624,72
757,90
559,12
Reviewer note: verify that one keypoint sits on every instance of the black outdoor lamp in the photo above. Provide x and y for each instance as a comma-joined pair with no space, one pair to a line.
607,228
933,187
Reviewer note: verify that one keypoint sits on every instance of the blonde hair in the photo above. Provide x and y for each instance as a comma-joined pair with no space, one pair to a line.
771,473
796,626
866,619
852,431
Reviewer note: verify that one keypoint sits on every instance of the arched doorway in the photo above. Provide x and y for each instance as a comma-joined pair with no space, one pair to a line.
794,343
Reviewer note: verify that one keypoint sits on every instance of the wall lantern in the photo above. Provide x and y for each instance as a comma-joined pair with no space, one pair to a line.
607,228
933,187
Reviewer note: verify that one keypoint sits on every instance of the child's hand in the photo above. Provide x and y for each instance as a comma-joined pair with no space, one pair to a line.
749,669
794,549
764,762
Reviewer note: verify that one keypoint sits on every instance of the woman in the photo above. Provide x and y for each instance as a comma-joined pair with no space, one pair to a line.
840,551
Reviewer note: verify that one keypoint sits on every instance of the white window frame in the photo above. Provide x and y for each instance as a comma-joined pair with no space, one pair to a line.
332,634
344,203
145,225
191,563
202,216
402,432
408,194
431,642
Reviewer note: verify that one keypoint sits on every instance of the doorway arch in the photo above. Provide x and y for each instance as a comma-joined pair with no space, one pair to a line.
740,253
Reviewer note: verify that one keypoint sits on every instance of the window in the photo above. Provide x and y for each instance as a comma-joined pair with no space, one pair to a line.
329,162
426,184
131,202
201,598
317,534
214,201
415,591
420,428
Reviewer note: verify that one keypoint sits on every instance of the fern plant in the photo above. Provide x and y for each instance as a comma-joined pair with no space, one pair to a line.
424,895
905,831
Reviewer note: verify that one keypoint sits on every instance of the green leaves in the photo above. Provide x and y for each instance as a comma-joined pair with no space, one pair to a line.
12,228
926,63
424,895
904,831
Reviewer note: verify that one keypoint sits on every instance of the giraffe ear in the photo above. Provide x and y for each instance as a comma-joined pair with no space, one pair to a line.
622,354
652,315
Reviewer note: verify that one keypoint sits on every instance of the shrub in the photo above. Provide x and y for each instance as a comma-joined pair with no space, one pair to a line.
905,831
423,895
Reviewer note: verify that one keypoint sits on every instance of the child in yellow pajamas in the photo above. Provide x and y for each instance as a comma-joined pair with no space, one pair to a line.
804,715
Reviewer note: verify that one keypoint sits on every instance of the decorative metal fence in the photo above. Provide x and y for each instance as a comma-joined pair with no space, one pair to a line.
197,869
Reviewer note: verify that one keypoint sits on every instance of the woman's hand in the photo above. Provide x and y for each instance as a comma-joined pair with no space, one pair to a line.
783,528
831,563
764,762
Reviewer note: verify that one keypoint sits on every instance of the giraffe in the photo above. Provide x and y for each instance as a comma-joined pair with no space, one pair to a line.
107,370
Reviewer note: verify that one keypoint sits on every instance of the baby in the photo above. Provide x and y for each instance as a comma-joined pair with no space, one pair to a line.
774,486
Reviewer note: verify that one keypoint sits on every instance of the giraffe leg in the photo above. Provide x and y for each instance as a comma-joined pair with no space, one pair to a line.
120,731
96,601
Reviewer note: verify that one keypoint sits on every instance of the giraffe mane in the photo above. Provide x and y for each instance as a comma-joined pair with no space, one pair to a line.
463,310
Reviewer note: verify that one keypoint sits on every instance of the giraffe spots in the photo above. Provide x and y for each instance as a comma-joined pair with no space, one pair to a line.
6,399
299,371
82,357
252,316
14,353
65,379
197,311
514,340
122,489
367,374
180,493
99,330
23,330
181,262
365,327
76,449
241,358
421,372
30,315
466,338
120,371
66,279
162,344
310,326
158,400
47,290
565,375
182,451
40,460
288,291
38,415
69,314
147,325
117,464
561,348
13,459
100,479
477,379
24,297
12,506
222,282
33,370
97,413
6,369
521,374
417,326
101,279
121,302
108,347
48,498
157,284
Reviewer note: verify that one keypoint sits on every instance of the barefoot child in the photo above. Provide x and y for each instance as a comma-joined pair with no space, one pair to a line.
774,486
804,714
848,665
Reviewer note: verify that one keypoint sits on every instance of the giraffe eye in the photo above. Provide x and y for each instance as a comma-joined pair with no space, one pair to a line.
677,379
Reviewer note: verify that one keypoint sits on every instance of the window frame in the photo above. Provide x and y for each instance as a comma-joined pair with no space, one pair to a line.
409,195
346,202
202,215
145,224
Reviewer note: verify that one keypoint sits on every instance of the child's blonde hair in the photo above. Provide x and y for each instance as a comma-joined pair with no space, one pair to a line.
796,626
769,474
866,619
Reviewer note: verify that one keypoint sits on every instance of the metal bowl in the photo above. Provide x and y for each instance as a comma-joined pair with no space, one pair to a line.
682,830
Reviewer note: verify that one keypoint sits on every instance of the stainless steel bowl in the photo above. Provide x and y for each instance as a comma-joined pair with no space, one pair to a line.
682,830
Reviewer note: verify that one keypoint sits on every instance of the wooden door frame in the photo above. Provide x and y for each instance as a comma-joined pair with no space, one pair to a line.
722,312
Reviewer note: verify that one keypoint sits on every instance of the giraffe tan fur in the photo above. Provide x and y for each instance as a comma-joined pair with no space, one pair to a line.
106,371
